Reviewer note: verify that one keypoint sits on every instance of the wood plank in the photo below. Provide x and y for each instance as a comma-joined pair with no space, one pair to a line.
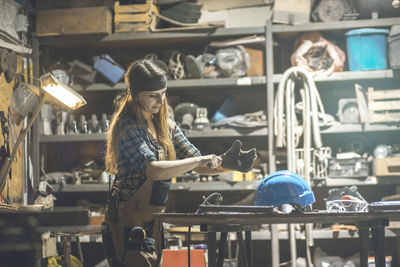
139,8
57,4
383,94
74,21
362,103
384,105
118,18
387,117
132,27
388,100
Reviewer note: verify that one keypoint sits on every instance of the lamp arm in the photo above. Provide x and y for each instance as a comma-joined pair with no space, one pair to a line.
7,163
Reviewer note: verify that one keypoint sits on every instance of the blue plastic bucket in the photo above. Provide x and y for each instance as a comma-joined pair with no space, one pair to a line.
366,49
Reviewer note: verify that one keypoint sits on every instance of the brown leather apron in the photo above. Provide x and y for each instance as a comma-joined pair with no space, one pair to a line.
138,210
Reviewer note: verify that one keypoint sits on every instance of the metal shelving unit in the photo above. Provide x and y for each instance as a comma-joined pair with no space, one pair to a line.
360,128
289,31
348,76
334,25
142,40
226,132
253,83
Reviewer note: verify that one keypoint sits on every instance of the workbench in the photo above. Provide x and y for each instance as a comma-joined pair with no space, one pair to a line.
20,232
223,221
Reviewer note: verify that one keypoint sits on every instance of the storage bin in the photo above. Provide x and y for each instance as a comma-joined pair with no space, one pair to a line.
394,47
108,68
366,49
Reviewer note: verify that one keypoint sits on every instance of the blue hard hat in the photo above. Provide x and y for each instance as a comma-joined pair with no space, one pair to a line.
283,187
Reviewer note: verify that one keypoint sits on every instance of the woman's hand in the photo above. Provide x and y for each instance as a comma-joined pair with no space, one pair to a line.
211,161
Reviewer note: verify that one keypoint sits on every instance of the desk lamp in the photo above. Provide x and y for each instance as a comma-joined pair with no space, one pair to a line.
51,89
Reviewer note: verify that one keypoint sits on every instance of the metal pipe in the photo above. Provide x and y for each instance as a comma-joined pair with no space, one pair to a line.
269,60
292,240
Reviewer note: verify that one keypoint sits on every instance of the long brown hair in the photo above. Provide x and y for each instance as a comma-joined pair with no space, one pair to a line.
141,70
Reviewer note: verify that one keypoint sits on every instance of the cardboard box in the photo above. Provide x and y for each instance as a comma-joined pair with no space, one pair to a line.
292,11
257,66
387,167
67,21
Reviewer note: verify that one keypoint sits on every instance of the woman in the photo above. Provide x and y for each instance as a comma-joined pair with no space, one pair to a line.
145,150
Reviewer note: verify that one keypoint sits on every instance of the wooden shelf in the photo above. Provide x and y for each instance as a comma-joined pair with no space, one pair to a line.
189,84
348,76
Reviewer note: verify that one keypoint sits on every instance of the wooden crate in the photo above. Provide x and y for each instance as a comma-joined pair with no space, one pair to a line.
68,21
292,11
387,167
134,18
383,105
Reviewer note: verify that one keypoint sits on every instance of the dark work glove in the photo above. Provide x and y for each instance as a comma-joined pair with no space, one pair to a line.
238,160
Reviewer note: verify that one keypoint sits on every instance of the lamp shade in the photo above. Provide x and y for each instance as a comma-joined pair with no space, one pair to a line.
61,92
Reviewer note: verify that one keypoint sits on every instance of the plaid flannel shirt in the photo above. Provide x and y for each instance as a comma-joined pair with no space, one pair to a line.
136,148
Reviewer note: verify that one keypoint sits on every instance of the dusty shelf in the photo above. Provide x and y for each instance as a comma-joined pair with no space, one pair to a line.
210,133
347,76
335,25
148,38
188,84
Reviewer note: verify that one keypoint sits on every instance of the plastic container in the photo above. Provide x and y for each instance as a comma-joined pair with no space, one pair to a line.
228,108
109,68
394,47
366,49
